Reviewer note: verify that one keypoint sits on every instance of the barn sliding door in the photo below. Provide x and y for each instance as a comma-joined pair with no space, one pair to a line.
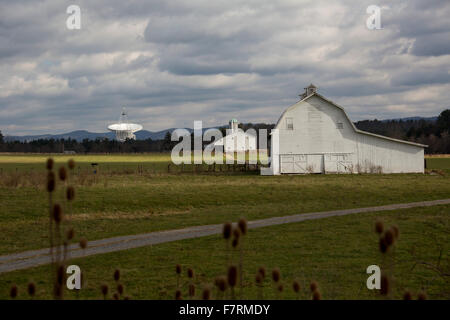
315,163
338,163
302,163
293,163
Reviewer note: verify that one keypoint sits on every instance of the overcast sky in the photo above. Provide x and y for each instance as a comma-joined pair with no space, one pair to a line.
173,62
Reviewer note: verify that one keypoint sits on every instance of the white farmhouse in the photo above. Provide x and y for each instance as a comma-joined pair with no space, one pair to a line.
315,135
237,140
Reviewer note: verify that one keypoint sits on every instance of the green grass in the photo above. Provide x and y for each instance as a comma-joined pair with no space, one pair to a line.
119,200
335,252
154,162
439,163
106,163
111,204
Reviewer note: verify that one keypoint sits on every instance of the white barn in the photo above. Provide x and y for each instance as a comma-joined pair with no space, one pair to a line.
315,135
237,140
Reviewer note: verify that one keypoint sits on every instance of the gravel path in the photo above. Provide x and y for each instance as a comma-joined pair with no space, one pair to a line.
28,259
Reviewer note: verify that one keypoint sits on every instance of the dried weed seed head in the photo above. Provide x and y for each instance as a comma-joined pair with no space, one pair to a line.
60,275
407,296
190,273
191,290
178,269
57,213
317,295
70,234
104,289
262,271
236,233
236,236
117,275
227,231
385,285
49,164
276,275
389,237
243,226
383,245
62,173
206,294
58,291
83,243
313,286
31,289
222,283
178,295
379,227
232,275
296,286
70,193
71,164
50,181
82,279
13,291
422,296
258,278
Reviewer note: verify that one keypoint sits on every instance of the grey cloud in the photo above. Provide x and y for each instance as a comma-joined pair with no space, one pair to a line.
174,62
421,77
437,45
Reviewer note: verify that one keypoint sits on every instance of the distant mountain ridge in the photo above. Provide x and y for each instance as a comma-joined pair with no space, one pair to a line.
412,118
80,135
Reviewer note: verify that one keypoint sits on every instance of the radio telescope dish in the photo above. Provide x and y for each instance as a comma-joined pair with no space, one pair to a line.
124,130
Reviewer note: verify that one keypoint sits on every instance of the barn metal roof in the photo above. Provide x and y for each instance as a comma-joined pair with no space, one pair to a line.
353,125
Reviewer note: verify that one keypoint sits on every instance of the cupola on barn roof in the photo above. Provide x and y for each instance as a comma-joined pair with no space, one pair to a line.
309,90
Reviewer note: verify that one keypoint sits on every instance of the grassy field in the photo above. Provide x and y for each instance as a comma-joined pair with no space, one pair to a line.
112,205
132,194
335,252
128,163
442,163
153,163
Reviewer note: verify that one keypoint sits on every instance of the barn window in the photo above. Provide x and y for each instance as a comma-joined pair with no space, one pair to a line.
289,123
339,125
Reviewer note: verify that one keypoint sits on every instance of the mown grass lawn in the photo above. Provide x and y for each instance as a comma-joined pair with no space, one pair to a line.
335,252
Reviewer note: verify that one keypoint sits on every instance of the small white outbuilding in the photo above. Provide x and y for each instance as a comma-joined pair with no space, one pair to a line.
236,140
315,135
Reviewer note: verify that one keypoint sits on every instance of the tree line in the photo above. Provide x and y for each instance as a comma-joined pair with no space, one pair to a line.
85,146
435,134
